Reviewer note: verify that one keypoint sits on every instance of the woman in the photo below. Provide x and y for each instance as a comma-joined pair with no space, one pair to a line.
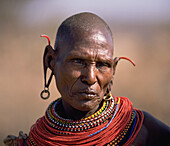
87,114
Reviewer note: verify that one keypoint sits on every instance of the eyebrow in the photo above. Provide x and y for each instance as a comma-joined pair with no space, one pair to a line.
84,56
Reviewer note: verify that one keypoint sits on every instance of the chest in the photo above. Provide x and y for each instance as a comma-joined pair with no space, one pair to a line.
141,139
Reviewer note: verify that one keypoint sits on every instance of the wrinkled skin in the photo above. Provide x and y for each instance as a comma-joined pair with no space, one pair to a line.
83,66
84,71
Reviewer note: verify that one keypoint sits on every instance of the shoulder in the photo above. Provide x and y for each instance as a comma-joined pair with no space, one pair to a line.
154,131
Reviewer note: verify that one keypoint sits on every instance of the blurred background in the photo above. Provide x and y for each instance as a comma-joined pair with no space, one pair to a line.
141,31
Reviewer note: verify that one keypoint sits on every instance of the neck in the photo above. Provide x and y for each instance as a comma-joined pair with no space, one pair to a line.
68,112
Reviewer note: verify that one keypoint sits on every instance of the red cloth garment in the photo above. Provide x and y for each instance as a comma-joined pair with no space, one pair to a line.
117,122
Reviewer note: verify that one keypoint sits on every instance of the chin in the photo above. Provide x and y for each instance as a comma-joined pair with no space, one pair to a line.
85,107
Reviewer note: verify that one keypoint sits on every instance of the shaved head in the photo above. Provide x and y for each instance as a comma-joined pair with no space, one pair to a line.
83,63
80,26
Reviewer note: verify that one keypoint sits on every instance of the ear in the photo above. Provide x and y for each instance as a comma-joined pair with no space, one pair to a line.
48,58
48,62
115,61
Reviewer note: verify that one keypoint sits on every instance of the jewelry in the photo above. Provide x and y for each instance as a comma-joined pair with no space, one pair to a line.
108,96
98,118
46,86
126,133
115,123
45,91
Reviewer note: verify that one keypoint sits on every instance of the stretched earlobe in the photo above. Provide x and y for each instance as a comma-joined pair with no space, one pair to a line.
48,53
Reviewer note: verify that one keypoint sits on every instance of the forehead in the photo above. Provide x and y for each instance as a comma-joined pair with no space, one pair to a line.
94,45
90,52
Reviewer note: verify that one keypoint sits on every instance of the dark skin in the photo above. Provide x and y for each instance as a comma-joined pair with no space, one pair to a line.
83,69
83,73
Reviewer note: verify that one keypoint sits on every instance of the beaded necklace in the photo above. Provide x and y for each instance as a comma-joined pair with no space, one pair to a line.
98,118
125,133
115,123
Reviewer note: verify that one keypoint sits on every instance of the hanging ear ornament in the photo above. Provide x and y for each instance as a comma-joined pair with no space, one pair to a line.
126,59
46,37
45,94
108,96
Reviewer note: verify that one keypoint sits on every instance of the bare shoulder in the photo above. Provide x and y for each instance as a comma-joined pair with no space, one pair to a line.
153,132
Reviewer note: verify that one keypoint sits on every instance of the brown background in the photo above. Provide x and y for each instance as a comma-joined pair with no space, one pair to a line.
139,32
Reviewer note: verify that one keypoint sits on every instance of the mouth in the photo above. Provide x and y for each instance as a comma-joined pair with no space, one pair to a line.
87,94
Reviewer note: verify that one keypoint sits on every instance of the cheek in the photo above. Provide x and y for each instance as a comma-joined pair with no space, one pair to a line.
104,79
65,79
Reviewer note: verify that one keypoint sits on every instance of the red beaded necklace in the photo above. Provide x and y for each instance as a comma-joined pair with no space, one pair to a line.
115,123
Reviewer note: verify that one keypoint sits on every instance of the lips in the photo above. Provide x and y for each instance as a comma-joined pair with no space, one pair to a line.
88,94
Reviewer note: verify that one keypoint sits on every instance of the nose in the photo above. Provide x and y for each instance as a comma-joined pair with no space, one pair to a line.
89,75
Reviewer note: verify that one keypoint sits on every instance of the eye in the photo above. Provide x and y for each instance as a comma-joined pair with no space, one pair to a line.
102,64
78,61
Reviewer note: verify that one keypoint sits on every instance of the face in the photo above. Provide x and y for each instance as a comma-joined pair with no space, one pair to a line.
84,70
